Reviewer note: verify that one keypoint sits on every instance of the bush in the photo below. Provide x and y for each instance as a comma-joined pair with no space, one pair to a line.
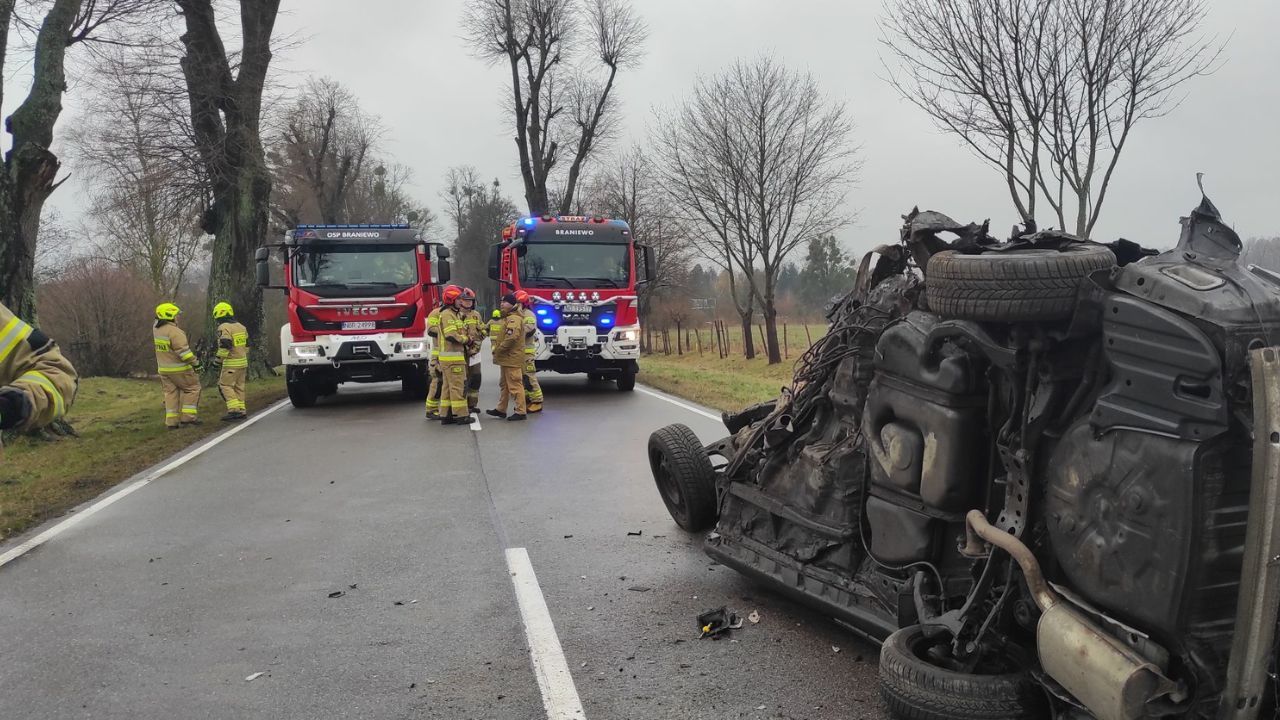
101,315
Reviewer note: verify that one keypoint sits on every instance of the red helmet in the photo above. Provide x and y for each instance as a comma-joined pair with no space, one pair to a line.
468,294
522,297
451,294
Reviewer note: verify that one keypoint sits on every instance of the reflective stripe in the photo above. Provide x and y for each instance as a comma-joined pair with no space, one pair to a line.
452,357
174,368
162,344
189,409
433,320
186,354
240,339
40,379
236,363
223,352
171,414
14,332
530,351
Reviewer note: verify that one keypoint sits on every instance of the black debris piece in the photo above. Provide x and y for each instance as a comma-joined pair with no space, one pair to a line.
715,622
336,594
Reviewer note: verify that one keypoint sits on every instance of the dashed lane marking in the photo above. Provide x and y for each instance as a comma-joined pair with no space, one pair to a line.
559,694
53,532
677,403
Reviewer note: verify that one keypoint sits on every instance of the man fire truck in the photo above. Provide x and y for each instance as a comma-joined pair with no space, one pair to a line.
358,298
582,273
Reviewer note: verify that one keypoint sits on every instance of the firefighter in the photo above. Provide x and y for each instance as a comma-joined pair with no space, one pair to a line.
525,305
472,323
37,384
453,360
233,356
495,326
178,367
508,354
433,366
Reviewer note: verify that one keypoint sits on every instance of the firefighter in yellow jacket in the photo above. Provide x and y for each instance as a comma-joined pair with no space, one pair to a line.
453,361
233,355
178,367
474,325
524,302
433,367
508,354
37,384
494,331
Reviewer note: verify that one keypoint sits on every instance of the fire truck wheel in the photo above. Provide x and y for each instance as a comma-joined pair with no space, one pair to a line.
686,480
301,393
627,381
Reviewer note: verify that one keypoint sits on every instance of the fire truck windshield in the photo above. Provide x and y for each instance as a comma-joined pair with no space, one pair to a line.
351,266
550,265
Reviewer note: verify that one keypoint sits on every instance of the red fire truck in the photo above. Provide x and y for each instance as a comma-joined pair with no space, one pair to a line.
583,273
358,298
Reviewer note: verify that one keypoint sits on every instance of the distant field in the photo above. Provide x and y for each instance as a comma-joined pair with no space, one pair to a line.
121,427
729,383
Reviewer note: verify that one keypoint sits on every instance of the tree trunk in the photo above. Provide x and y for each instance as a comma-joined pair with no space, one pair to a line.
748,343
771,334
240,229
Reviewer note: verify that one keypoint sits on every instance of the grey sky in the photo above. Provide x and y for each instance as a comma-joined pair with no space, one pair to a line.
442,107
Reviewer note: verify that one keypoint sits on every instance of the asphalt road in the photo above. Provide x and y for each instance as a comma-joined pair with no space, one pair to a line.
162,604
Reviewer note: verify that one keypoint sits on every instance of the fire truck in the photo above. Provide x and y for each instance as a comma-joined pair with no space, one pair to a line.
358,298
583,274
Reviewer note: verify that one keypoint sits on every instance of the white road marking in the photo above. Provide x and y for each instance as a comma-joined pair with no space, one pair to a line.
559,694
673,401
44,537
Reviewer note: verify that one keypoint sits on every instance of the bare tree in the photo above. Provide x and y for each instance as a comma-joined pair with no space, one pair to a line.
761,157
31,168
479,211
100,313
560,111
226,113
1047,91
131,146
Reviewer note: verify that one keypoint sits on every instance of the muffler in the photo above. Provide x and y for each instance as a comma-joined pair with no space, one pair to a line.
1110,679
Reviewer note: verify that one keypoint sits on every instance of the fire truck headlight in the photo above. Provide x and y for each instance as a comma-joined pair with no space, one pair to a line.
306,351
625,336
412,346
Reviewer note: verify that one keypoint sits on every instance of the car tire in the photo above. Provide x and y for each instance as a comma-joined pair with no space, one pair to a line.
301,394
685,478
1027,285
415,386
627,381
915,688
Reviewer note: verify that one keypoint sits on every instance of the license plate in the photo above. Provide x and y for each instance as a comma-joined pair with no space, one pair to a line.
360,325
583,309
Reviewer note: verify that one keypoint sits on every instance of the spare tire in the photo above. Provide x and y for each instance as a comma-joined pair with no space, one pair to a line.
915,687
1012,286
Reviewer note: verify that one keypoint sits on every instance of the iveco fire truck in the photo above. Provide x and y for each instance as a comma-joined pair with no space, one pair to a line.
582,273
358,298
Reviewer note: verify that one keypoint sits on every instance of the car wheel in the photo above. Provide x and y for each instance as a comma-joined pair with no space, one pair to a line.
917,684
684,475
627,381
1013,286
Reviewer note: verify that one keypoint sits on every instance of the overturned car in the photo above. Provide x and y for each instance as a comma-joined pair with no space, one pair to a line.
1043,472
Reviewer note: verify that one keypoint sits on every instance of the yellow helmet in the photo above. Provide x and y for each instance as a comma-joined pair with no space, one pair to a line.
222,309
497,313
167,311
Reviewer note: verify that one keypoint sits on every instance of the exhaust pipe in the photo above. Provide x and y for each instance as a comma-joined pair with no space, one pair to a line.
1110,679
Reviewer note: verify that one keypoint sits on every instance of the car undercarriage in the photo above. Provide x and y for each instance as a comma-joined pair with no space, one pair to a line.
1041,471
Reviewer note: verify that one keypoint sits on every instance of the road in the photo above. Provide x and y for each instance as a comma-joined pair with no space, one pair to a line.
161,603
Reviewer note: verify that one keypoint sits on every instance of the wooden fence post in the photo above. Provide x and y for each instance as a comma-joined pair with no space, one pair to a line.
807,335
786,351
764,344
698,334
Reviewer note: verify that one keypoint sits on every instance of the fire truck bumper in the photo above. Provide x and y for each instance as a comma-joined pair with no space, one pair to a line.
345,350
585,349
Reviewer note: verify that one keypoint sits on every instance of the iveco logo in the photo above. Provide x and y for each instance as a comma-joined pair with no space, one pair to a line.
575,232
357,311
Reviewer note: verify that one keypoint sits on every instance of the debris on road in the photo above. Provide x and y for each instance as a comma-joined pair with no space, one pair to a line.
566,537
720,620
634,533
352,586
754,617
254,676
835,649
336,594
398,602
639,588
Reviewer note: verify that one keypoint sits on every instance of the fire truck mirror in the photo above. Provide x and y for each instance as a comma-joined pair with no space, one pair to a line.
443,271
649,266
262,258
495,261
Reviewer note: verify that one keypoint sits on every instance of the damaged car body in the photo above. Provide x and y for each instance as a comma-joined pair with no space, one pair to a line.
1042,472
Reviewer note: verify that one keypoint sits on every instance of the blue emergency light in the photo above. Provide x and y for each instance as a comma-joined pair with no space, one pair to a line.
528,222
541,311
606,320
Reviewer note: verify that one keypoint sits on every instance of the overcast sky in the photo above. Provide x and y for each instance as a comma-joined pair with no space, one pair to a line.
441,106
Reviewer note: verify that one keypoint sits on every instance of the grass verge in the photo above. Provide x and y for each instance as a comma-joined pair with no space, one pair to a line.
121,427
729,384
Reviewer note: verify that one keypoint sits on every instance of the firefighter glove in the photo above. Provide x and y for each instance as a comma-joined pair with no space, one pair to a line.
15,407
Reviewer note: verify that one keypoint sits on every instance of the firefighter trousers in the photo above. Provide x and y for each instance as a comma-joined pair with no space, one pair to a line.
473,386
433,393
531,379
512,389
453,394
231,385
181,397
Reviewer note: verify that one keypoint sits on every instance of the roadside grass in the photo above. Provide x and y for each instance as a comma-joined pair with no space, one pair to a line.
121,428
730,383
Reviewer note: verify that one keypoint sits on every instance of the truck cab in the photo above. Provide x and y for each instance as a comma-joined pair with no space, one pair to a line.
583,274
358,298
